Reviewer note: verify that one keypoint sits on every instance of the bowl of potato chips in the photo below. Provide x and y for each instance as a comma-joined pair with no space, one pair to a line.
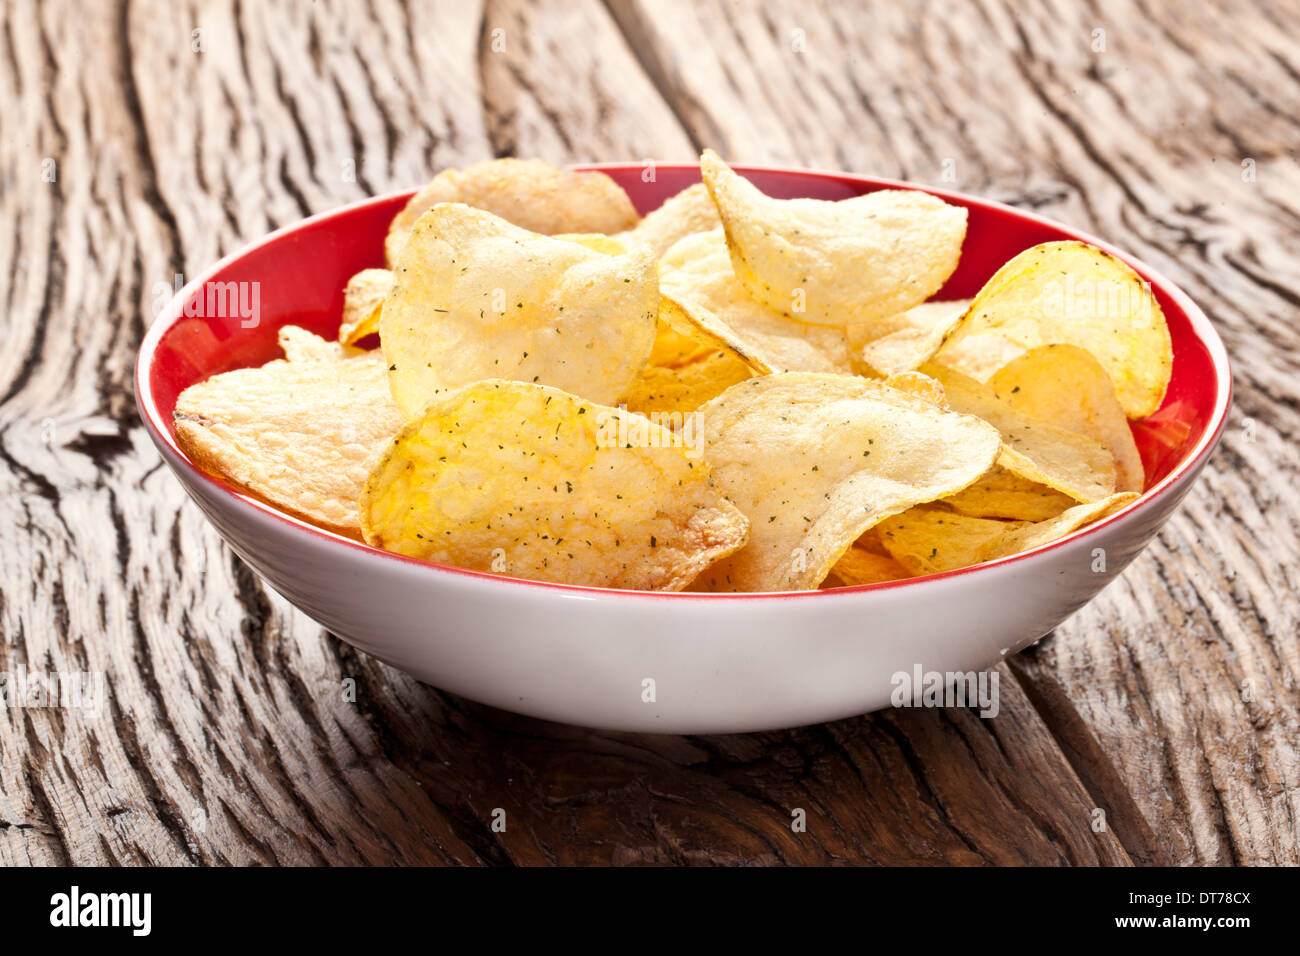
680,448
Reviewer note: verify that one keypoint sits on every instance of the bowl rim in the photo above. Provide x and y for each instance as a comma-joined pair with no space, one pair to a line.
164,437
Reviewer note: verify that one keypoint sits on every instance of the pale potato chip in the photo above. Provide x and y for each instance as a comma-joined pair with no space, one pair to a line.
362,300
1003,494
1073,293
860,566
686,387
815,460
1067,386
688,212
906,341
978,355
836,263
922,386
476,297
931,540
1080,466
302,434
533,482
696,275
529,193
299,345
595,241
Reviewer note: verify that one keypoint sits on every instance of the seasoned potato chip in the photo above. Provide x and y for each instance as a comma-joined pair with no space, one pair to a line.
860,566
686,387
836,263
1080,466
689,212
816,460
476,297
1067,386
1075,294
533,482
529,193
922,386
696,275
931,540
362,300
1003,494
301,434
906,341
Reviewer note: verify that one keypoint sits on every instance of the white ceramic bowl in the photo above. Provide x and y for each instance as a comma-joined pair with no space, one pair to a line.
717,663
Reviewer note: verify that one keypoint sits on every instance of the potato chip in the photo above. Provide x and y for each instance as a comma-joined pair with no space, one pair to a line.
677,341
836,263
301,433
595,242
299,345
533,482
978,355
860,566
922,386
815,460
696,275
688,212
529,193
932,540
906,341
686,387
1073,293
1080,466
1003,494
1065,385
362,300
476,297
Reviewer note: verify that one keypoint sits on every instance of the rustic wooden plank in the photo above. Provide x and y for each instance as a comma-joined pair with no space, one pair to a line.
227,737
1178,683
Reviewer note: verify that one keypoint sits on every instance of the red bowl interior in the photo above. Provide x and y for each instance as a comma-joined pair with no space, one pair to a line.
301,272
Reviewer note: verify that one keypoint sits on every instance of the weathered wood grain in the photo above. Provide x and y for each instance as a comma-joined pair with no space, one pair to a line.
227,735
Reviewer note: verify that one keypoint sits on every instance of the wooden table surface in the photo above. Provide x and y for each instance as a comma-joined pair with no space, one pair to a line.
133,148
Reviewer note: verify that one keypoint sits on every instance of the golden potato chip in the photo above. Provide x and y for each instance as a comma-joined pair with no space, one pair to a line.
677,341
836,263
922,386
696,275
533,482
860,566
1065,385
1074,294
932,540
1080,466
815,460
476,297
686,387
906,341
529,193
362,300
688,212
1003,494
301,434
978,355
